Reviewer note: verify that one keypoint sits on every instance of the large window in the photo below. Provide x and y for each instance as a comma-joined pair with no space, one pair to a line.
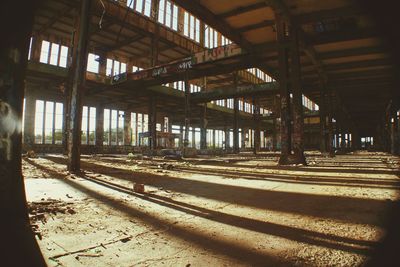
93,63
48,122
139,124
168,14
88,125
135,69
113,127
191,27
310,105
194,88
141,6
115,67
229,103
260,74
53,54
220,102
210,37
225,41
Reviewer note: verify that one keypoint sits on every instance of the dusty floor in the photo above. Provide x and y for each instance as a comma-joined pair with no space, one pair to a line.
230,211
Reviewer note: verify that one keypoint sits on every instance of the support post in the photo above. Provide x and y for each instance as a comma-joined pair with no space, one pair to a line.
243,139
274,135
397,130
187,112
127,128
329,143
99,127
79,62
256,118
298,120
284,90
152,123
29,120
227,138
203,128
235,117
19,244
322,122
393,127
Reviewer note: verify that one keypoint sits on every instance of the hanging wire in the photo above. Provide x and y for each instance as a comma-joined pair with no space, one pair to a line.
102,15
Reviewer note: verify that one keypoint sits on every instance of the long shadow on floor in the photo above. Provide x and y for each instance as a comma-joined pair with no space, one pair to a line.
300,235
296,234
299,179
234,250
323,166
342,208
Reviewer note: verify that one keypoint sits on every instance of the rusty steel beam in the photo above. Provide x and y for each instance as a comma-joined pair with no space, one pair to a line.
198,10
242,10
263,24
77,82
55,18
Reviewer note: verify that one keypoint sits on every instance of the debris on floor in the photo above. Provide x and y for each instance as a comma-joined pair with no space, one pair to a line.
138,188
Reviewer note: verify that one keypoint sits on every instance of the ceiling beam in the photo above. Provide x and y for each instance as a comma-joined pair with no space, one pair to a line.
148,53
123,43
348,11
242,10
280,7
343,35
263,24
359,51
194,7
359,64
58,15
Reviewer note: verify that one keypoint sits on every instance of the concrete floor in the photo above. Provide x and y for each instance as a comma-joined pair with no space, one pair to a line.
227,211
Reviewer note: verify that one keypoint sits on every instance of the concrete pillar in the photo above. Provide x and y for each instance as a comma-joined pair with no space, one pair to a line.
330,137
256,118
203,128
181,136
152,122
274,135
29,120
193,133
337,132
17,236
283,63
99,127
397,129
227,138
354,140
343,138
187,112
127,128
78,71
66,117
243,133
235,125
322,122
298,120
235,117
393,127
213,142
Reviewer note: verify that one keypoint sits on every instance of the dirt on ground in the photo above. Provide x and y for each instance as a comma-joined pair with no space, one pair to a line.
235,210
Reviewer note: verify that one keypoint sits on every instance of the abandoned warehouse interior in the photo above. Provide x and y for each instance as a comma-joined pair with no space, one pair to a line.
193,133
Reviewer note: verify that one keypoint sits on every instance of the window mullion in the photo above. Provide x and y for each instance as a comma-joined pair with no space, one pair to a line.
87,125
53,130
44,123
59,55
